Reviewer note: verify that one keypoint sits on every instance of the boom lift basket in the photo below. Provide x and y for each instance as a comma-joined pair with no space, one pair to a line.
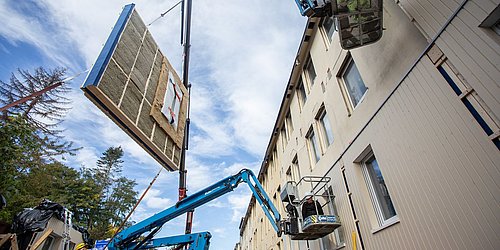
314,226
358,22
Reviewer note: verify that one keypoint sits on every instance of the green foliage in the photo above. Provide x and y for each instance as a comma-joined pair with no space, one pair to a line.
115,194
21,151
83,192
45,112
29,139
30,146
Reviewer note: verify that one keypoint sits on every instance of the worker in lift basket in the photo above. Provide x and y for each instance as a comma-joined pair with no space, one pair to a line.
311,207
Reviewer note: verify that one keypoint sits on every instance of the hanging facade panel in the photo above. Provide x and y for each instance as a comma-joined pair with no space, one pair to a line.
136,86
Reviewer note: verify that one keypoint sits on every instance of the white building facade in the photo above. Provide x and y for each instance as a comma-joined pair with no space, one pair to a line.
406,129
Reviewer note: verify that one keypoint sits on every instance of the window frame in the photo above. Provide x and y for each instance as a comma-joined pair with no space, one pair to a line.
313,147
172,101
50,240
348,62
492,21
283,138
324,128
327,37
289,125
301,93
477,108
307,74
383,222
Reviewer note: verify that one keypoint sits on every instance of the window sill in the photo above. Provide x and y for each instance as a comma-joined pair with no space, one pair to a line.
352,107
389,223
342,245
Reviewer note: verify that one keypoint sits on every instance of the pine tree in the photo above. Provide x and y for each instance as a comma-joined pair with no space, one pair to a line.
26,179
44,112
29,138
116,194
20,151
108,169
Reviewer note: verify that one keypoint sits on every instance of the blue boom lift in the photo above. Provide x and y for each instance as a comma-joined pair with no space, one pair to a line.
132,237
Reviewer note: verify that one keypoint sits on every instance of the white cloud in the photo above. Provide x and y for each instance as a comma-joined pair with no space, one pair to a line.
87,157
17,28
217,204
220,231
236,167
154,200
201,175
251,69
215,137
239,203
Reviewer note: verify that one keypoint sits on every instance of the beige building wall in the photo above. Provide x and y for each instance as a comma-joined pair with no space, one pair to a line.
429,117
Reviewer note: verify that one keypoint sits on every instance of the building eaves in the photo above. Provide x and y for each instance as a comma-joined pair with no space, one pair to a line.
302,52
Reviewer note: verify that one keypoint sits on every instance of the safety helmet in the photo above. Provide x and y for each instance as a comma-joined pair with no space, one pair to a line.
81,246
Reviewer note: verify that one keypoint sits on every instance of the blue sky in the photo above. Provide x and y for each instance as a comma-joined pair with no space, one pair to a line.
242,55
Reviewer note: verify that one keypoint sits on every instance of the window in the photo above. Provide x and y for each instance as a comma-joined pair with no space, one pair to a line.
309,71
325,128
47,244
172,101
312,142
471,100
302,93
329,28
466,93
379,194
284,138
289,125
295,169
492,21
276,161
353,84
496,28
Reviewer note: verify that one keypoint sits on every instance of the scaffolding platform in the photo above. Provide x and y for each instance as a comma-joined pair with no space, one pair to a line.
317,226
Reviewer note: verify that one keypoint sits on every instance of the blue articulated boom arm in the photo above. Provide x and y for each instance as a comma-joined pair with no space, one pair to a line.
305,6
126,238
314,8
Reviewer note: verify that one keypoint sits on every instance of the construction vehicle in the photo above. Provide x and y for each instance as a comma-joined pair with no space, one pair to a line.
133,237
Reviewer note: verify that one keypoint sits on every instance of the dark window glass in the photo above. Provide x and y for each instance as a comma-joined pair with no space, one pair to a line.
381,192
355,86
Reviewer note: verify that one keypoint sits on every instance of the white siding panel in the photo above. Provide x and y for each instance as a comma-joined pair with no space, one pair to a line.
476,11
439,168
486,5
430,15
429,166
485,45
486,86
453,169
